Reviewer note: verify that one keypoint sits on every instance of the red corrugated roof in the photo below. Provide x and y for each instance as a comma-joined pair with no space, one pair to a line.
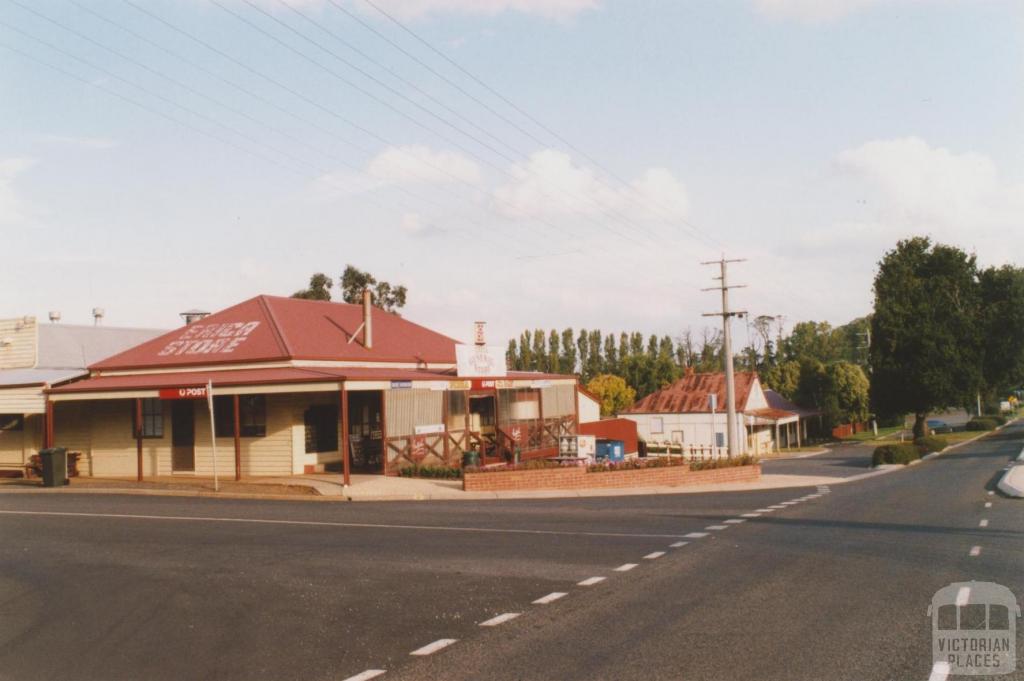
689,395
269,328
268,376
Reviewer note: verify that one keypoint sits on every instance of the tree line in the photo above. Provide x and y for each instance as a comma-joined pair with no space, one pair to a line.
815,365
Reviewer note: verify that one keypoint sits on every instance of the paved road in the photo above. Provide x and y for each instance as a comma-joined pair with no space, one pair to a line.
831,587
839,461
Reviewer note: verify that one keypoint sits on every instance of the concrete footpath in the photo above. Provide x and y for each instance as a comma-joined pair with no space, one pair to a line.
1012,482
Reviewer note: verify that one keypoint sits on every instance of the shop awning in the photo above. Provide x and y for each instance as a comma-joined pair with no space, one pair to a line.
771,417
274,379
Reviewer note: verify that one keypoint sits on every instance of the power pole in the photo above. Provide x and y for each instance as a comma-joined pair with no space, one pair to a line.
725,314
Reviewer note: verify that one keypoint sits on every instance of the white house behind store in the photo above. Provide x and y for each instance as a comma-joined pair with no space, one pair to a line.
682,414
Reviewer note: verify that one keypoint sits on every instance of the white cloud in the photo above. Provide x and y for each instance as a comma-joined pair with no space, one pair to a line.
549,184
334,186
12,208
420,164
86,143
907,187
559,10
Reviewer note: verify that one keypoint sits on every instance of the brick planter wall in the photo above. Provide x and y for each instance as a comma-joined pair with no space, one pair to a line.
577,477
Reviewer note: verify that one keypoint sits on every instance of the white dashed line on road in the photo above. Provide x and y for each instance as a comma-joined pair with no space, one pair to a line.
717,527
975,551
983,523
500,619
678,544
988,504
751,515
696,535
991,492
591,581
940,671
654,555
550,598
765,510
735,521
625,567
367,675
432,648
776,507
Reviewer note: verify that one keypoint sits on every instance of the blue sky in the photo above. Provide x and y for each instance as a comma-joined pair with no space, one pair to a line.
805,135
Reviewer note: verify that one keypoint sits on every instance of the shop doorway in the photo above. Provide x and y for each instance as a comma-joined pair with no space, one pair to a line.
183,436
483,435
366,431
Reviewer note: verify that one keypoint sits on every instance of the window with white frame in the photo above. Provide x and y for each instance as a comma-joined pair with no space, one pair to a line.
657,425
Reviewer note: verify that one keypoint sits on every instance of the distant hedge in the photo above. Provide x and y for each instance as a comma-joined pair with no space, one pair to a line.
982,423
931,443
903,453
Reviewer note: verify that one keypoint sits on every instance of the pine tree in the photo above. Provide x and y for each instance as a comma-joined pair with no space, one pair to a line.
611,357
568,361
540,353
554,357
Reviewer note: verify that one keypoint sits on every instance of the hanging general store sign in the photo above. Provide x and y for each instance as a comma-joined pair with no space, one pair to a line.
480,360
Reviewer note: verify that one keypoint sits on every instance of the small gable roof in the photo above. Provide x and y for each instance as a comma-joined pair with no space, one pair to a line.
689,395
271,328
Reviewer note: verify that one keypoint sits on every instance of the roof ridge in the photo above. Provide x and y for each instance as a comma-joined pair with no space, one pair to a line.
275,326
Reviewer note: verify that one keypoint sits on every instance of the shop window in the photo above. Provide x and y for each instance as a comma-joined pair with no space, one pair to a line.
12,422
321,422
252,415
152,418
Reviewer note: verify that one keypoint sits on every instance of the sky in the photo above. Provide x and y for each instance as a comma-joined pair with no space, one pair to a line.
531,163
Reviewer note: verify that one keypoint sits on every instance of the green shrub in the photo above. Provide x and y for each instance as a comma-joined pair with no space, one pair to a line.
982,423
439,472
902,453
931,443
998,418
744,460
634,464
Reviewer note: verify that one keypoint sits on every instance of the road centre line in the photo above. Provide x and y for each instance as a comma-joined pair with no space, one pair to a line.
735,521
983,523
550,598
678,544
432,648
625,567
765,510
591,581
751,515
696,535
717,527
975,551
655,555
777,507
500,619
988,504
367,675
991,492
324,523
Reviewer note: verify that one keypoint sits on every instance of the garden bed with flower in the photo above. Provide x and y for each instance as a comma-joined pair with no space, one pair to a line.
639,473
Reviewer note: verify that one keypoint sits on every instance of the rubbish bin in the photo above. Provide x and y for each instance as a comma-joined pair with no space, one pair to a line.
471,459
55,466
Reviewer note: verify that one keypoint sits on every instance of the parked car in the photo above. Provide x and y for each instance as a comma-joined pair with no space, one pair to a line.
939,426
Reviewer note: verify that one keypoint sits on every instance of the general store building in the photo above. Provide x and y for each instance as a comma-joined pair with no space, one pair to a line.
306,386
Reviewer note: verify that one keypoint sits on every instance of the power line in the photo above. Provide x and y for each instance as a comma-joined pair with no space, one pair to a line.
330,112
383,102
698,233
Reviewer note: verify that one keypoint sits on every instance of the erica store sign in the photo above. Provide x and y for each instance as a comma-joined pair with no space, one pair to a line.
210,339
